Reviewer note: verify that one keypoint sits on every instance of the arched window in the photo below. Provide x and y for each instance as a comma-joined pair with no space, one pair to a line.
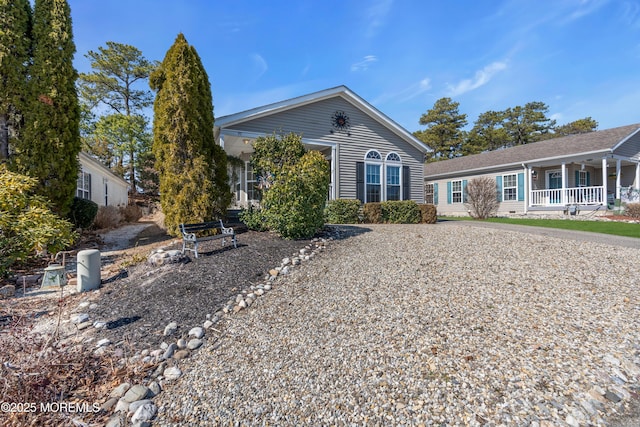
373,176
393,176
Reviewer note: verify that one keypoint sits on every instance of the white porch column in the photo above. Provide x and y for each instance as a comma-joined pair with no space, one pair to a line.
637,181
604,182
334,183
222,141
564,183
618,162
527,187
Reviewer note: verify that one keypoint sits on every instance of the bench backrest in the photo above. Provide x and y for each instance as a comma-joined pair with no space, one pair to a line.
192,228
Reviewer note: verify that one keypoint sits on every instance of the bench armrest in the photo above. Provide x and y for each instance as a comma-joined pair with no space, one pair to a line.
225,230
189,237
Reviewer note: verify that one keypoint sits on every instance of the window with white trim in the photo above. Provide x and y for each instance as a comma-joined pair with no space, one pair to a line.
429,193
373,176
393,178
253,192
456,191
582,178
83,190
509,187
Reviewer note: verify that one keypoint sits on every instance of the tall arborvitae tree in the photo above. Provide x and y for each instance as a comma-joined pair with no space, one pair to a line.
192,167
15,46
48,149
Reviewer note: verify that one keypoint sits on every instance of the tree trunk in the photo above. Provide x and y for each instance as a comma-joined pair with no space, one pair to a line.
4,138
132,171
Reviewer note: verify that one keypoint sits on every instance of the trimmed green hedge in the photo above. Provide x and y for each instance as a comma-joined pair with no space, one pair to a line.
83,212
400,212
342,211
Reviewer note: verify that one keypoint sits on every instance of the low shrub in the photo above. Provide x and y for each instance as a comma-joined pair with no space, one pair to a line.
253,218
342,211
400,212
372,213
83,212
107,217
632,210
428,214
131,213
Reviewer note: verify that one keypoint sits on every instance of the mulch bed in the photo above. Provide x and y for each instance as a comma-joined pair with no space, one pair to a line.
139,306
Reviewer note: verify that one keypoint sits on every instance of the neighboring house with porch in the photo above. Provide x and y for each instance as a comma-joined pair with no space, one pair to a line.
372,158
580,174
97,183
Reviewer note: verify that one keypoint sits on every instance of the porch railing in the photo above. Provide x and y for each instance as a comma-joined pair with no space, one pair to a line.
575,195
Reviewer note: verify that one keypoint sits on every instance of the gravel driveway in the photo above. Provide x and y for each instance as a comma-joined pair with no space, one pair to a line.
447,324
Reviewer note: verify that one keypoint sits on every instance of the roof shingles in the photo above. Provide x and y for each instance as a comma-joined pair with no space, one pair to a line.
566,146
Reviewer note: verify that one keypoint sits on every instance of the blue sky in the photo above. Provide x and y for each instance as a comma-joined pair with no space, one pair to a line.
580,57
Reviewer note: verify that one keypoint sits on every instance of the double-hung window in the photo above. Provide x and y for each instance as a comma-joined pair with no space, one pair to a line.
253,194
373,176
393,170
582,178
456,191
509,187
83,190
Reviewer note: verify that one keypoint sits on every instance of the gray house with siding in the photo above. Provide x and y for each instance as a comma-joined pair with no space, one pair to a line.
372,158
577,174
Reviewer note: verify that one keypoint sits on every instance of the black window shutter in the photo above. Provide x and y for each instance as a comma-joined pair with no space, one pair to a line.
406,183
360,181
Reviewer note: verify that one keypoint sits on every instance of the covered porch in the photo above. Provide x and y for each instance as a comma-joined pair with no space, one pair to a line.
587,183
242,179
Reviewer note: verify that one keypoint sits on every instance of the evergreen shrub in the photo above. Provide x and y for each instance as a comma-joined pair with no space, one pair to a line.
253,218
342,211
83,212
400,212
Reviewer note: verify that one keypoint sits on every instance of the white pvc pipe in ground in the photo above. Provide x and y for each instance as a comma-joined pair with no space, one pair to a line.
88,270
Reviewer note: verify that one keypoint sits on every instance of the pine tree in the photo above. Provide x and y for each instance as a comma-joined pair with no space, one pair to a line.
15,46
48,150
192,168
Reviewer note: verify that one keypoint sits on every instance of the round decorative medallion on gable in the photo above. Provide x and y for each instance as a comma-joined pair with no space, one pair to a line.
340,121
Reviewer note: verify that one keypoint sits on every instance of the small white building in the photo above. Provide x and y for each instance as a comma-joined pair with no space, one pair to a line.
97,183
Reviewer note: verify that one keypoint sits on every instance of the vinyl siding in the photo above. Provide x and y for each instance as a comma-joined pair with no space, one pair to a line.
445,207
630,148
313,121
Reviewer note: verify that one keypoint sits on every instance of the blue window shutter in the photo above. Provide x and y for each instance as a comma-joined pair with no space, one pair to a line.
588,179
448,192
464,191
499,187
435,193
521,187
577,184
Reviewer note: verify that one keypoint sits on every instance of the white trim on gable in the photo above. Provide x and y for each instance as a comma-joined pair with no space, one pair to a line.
341,91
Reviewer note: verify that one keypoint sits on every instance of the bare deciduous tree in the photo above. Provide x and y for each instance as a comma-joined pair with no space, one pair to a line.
482,200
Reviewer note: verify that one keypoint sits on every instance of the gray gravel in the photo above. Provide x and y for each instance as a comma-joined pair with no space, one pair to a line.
427,325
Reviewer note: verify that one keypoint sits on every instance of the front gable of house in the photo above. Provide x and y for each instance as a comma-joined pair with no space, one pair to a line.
348,131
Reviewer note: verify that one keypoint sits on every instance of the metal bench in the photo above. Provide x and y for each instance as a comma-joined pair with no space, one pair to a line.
190,235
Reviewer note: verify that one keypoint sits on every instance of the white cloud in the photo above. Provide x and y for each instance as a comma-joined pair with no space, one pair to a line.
375,16
403,95
481,78
260,64
364,64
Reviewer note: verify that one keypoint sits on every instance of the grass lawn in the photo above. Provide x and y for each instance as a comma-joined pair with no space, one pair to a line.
605,227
